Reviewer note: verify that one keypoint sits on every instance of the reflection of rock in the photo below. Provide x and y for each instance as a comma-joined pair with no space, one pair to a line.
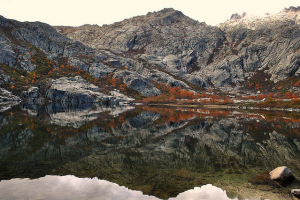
10,138
7,100
116,111
147,150
7,105
62,116
282,174
31,109
279,148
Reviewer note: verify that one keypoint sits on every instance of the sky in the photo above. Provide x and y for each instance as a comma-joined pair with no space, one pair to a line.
78,12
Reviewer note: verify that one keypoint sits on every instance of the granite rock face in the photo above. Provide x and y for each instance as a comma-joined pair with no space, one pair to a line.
78,91
203,54
138,83
6,96
100,70
167,38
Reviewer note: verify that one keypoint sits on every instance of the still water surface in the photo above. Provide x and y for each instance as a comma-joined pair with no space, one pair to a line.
61,152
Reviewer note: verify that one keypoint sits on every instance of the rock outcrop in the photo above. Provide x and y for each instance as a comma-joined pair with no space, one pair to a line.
6,96
77,91
138,83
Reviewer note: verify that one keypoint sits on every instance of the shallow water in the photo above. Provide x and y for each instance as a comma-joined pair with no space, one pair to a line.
61,152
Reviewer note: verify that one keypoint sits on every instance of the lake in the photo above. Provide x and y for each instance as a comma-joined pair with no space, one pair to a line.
60,151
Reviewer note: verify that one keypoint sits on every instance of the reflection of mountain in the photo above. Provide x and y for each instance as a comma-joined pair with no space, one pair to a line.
77,118
69,115
70,187
145,150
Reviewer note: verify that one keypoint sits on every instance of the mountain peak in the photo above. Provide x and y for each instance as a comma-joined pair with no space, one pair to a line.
292,9
236,16
167,11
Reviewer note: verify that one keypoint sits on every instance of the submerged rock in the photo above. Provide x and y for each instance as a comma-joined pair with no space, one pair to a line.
282,174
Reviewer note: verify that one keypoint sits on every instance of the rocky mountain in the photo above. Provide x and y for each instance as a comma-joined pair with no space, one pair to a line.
161,47
201,53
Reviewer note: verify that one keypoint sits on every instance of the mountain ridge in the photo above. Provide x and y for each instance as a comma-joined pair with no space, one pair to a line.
164,47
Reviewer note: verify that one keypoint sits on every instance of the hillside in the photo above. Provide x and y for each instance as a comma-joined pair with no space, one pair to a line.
244,57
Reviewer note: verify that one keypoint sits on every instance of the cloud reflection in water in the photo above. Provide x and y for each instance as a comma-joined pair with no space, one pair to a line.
71,187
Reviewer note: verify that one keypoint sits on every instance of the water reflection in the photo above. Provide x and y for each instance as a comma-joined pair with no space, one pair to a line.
70,187
66,187
159,151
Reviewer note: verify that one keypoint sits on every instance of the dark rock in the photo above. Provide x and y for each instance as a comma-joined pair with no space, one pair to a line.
296,193
237,16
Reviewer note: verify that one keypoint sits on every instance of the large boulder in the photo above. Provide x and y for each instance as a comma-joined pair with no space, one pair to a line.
282,174
296,193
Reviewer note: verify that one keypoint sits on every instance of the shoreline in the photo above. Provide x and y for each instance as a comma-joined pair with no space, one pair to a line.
216,106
